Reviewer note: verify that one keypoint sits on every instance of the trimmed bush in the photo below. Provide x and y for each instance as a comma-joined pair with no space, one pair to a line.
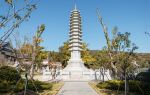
39,85
9,74
28,92
134,86
143,76
5,86
112,85
9,77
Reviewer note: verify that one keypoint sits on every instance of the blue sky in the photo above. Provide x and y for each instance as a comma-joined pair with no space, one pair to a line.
128,15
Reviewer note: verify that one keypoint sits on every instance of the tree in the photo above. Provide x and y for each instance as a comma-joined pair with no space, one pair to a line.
64,53
52,59
13,15
123,55
114,68
54,56
119,43
35,50
86,56
101,62
26,50
41,55
120,51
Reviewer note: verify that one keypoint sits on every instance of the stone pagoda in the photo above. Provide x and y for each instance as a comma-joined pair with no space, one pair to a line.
75,68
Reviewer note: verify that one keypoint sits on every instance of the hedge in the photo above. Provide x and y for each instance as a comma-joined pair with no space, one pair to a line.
9,74
9,78
134,86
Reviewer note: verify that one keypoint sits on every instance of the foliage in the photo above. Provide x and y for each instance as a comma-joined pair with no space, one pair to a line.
37,38
144,76
113,85
135,86
6,86
36,50
13,15
26,49
40,85
9,74
86,57
54,56
101,59
41,55
120,50
143,59
64,53
123,52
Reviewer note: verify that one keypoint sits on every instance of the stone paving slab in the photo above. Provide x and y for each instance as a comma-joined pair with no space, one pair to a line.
77,88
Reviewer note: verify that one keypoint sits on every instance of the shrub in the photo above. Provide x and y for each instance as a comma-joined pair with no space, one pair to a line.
8,73
9,77
112,85
143,76
19,87
4,86
134,86
28,92
39,85
44,86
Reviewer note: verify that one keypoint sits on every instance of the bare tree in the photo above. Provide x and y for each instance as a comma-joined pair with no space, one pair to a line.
22,59
52,64
108,42
14,15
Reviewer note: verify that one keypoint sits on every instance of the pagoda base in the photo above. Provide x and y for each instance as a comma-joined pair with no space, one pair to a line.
76,71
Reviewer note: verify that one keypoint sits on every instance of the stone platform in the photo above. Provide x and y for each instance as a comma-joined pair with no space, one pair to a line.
76,71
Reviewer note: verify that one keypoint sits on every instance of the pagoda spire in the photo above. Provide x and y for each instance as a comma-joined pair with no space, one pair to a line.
75,7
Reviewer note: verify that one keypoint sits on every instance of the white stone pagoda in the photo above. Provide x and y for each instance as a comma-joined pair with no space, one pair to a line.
75,68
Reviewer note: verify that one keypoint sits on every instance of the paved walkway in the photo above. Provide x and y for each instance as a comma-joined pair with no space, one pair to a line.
76,88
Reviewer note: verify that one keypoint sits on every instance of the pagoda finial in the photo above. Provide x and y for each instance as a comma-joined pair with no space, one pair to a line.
75,7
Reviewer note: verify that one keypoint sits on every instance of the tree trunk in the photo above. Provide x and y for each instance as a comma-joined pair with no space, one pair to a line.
126,85
95,76
33,59
113,66
125,91
102,73
32,71
53,73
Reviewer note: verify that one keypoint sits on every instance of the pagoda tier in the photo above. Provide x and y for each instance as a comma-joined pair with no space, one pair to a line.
75,33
